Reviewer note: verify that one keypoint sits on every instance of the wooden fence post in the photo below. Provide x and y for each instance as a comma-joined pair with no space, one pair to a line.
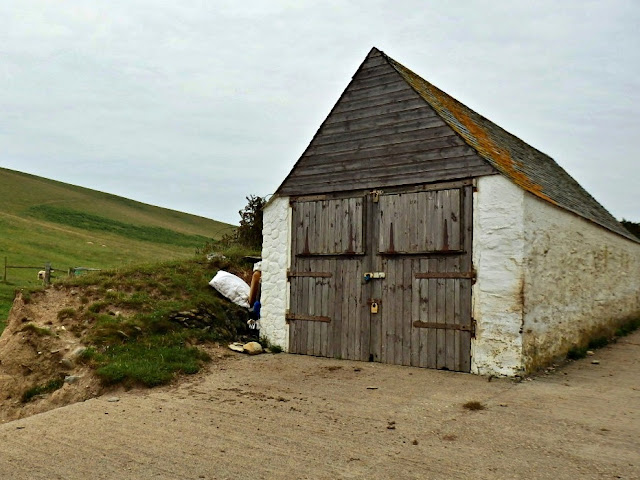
47,273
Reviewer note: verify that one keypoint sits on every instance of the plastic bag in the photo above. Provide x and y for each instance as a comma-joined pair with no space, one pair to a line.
232,287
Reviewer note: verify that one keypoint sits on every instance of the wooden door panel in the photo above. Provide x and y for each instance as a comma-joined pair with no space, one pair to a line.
329,227
420,222
421,241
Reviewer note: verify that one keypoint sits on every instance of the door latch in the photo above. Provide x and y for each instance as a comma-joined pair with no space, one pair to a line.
374,307
373,275
375,195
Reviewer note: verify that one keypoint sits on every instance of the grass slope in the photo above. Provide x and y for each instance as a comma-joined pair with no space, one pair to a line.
43,220
147,346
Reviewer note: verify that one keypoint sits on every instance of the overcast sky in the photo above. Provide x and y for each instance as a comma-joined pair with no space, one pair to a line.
194,104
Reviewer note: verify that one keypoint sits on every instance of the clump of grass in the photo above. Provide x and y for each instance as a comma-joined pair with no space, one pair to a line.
267,345
50,386
598,343
90,356
576,353
65,313
97,307
628,327
40,331
474,405
150,363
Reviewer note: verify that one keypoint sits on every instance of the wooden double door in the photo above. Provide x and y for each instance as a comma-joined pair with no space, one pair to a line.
384,276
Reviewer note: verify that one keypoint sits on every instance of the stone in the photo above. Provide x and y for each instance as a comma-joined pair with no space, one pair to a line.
72,379
252,348
590,352
66,363
595,362
236,347
113,399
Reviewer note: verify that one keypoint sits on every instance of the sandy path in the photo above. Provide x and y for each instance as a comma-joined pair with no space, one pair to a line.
286,416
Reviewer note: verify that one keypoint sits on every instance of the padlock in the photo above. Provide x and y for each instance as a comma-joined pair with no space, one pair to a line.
374,307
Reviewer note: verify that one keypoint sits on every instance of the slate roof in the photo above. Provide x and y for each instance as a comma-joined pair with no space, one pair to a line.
527,167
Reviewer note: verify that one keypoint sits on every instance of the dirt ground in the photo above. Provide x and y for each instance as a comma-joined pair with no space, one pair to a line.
289,416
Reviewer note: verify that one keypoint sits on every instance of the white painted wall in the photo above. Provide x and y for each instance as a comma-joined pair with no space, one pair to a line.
276,259
498,257
580,281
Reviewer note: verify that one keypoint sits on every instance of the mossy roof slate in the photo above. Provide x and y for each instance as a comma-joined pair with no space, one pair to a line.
526,166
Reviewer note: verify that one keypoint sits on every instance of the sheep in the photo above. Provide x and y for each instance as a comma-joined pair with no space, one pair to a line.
41,274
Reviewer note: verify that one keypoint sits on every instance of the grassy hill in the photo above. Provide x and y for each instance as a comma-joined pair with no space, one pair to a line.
43,220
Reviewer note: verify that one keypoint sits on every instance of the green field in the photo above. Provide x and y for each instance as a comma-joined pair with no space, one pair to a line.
43,220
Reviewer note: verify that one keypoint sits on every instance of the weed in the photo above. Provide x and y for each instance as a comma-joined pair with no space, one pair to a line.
628,327
267,345
598,343
50,386
97,307
474,405
576,353
40,331
65,313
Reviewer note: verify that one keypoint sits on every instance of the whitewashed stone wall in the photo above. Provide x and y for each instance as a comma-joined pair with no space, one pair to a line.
498,257
276,258
581,281
548,280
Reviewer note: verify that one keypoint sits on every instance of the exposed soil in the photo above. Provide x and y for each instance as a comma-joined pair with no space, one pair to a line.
289,416
37,347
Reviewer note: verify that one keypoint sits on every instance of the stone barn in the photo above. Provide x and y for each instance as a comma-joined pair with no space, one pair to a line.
415,231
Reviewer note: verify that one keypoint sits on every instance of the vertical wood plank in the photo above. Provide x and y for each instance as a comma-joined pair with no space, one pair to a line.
391,311
426,316
304,308
454,220
398,297
337,226
415,314
433,317
465,285
440,316
407,286
325,309
449,284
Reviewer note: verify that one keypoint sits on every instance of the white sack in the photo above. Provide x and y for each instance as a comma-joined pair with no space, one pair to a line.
232,287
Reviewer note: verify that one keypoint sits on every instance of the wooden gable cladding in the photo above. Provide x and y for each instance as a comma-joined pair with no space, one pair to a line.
420,222
329,227
381,133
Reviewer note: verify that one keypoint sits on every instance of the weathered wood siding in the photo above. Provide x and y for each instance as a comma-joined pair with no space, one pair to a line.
381,133
421,239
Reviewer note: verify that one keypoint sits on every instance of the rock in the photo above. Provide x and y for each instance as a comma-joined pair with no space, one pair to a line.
76,352
72,379
595,362
252,348
66,363
590,352
113,399
236,347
